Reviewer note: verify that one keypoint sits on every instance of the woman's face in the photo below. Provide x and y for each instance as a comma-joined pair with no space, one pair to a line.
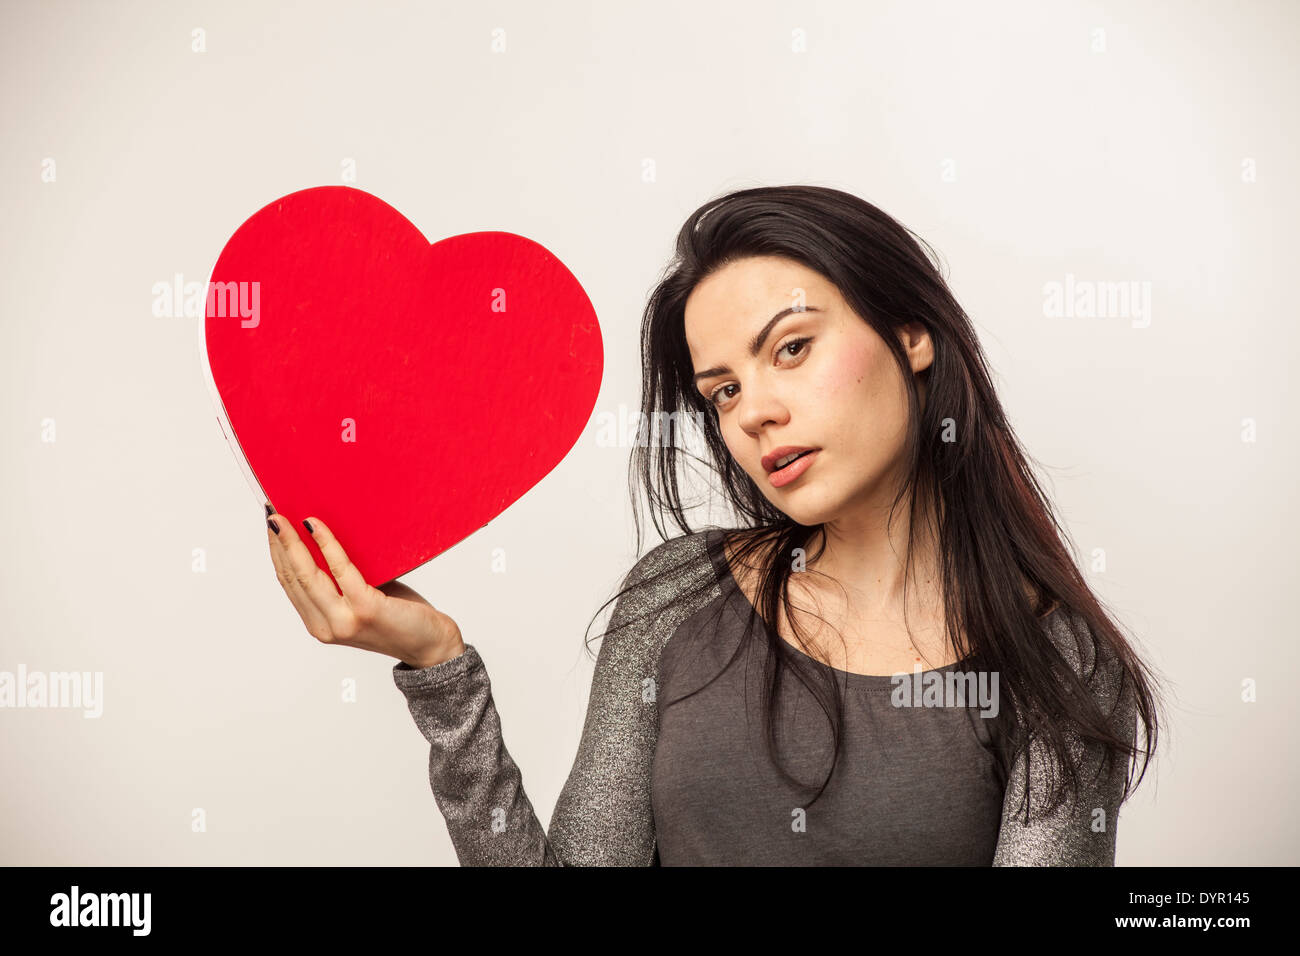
820,378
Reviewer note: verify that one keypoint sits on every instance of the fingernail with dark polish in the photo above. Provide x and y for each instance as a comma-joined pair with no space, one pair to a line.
307,524
274,527
269,511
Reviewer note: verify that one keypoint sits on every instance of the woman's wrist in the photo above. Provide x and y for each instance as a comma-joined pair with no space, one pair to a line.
443,652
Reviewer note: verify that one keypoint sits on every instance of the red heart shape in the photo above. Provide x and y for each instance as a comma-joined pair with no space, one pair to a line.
406,393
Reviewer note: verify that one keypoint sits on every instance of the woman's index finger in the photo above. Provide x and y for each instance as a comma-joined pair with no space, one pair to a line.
340,565
314,582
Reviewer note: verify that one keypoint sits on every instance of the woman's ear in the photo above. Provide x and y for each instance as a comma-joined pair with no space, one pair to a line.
917,344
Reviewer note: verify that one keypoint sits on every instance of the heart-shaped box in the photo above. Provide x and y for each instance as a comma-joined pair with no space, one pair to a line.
405,392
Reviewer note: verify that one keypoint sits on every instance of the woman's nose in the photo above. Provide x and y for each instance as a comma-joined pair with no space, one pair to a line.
759,408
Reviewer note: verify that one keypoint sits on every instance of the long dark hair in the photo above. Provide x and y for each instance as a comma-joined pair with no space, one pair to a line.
1005,565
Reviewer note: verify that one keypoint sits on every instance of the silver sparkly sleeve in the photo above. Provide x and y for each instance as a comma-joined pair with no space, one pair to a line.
475,782
603,815
1075,834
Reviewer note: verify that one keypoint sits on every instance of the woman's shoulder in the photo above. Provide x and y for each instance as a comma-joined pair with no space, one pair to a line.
1075,640
665,587
1100,667
677,560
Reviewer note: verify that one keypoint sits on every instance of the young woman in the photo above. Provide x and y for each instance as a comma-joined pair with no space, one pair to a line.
745,707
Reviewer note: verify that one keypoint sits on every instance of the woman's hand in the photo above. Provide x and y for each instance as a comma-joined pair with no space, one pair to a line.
391,619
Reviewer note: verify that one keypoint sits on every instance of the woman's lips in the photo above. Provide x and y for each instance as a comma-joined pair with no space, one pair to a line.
790,472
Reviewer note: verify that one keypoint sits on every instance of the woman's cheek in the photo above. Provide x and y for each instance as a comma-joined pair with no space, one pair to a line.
850,375
859,412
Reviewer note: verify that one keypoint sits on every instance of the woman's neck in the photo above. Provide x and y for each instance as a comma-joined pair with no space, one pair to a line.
870,561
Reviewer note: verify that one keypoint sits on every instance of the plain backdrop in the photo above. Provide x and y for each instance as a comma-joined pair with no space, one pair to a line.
1137,142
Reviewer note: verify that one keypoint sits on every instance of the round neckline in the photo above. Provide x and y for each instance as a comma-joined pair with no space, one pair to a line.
742,604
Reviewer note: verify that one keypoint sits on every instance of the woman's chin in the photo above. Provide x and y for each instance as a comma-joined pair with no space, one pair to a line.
813,511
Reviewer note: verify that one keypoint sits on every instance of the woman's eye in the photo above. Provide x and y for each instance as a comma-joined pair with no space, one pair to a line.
798,347
793,344
713,397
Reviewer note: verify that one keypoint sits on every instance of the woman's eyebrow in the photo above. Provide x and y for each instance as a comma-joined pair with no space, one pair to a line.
756,345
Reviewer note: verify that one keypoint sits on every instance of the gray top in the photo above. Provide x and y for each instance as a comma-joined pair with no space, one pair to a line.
912,786
692,783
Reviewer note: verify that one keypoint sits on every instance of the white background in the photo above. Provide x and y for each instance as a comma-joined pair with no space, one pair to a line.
1122,164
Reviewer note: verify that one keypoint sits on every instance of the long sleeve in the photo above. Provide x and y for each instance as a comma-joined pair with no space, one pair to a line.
603,815
1074,834
476,783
